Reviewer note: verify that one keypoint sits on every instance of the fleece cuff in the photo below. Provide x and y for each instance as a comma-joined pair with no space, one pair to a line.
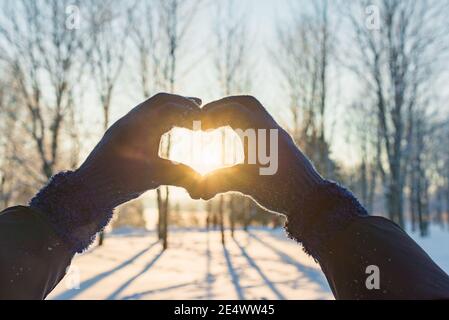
322,213
79,204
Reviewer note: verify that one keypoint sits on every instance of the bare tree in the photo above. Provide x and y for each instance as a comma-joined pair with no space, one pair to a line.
6,126
436,160
232,68
397,62
159,33
363,135
419,177
15,170
45,54
304,59
109,28
446,174
446,184
145,35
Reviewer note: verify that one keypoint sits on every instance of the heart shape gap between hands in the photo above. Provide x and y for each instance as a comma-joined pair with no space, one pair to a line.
203,150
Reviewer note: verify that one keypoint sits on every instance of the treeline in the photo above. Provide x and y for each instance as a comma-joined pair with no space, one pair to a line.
369,72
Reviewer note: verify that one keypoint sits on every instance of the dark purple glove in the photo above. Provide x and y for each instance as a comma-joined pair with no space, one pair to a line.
123,165
315,208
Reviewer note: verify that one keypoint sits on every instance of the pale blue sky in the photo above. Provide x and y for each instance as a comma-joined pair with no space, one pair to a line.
264,16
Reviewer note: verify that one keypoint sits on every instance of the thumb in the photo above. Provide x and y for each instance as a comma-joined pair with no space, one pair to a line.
178,175
237,178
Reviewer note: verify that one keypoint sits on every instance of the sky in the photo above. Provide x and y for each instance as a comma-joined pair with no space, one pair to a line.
264,17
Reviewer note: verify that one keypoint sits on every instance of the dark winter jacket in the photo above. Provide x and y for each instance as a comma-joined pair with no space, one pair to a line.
33,259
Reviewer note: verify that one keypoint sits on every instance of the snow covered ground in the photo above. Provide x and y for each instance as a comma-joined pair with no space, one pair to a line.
436,246
261,264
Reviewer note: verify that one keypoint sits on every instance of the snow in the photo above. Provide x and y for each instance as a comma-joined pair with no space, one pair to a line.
256,265
260,264
436,245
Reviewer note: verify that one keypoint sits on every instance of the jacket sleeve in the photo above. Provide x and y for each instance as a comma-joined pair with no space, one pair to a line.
33,259
38,242
374,249
363,257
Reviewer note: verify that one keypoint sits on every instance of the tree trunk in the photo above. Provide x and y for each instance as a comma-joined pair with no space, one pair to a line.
221,201
372,191
166,219
439,207
231,215
159,213
395,195
221,218
106,101
447,204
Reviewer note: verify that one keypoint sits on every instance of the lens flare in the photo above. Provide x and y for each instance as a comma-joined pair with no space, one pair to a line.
205,151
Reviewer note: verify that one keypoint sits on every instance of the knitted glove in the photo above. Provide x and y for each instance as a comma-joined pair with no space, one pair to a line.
123,165
315,208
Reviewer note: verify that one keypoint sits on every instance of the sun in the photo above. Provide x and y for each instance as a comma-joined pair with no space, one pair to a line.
203,151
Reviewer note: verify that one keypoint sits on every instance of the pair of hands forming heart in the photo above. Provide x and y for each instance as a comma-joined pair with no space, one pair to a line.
128,152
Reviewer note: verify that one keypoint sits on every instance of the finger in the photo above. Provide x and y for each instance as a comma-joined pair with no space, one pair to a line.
249,102
236,178
178,175
163,98
217,115
156,102
172,115
241,112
